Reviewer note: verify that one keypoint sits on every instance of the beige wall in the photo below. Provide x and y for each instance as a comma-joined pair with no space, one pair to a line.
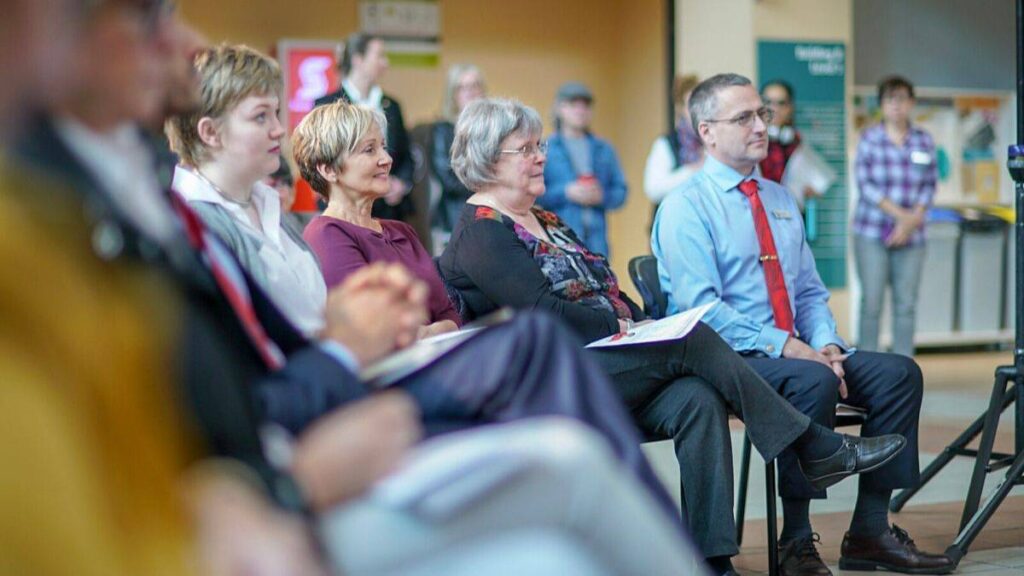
713,37
525,48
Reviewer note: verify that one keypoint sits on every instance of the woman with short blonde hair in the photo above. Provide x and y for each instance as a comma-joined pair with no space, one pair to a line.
228,146
330,136
341,152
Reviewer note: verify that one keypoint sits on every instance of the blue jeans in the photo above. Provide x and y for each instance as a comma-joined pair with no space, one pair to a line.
878,266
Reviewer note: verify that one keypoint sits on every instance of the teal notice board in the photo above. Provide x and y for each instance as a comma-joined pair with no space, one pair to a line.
817,73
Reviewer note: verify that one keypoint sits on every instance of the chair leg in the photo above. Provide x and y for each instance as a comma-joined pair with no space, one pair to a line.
773,528
741,497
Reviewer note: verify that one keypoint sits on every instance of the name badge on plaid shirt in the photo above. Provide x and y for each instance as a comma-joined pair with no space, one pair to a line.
920,157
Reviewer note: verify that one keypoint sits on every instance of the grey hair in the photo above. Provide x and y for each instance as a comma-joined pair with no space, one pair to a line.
481,129
704,98
450,108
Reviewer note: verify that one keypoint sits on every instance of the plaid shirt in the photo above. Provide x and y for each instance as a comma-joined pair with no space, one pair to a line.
904,174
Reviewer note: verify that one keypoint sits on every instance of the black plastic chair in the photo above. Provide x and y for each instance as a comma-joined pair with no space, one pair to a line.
644,272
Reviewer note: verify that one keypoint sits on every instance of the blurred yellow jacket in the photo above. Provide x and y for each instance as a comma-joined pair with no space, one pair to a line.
91,440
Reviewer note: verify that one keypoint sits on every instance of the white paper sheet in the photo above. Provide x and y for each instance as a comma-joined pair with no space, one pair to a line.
807,169
669,328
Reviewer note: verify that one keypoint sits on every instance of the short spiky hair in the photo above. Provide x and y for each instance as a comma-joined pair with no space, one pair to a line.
328,135
228,74
704,98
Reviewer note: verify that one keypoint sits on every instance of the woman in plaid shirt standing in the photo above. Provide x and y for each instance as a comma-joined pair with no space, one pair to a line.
896,177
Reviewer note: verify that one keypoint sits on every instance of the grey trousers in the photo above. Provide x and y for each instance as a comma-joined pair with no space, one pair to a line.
877,267
685,390
566,506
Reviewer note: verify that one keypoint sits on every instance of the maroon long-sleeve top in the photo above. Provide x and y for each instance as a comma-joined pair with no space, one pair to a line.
343,248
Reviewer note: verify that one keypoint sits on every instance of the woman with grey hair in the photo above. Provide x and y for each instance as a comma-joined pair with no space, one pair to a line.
506,252
465,84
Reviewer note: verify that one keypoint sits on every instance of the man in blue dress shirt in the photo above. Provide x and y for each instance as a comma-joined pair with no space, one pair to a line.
731,237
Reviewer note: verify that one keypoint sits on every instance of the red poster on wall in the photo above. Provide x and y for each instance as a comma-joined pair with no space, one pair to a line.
310,72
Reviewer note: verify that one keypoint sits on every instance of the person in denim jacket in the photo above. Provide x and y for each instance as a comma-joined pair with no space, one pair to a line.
583,176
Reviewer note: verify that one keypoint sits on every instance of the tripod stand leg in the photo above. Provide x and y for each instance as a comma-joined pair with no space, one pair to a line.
951,451
988,438
947,455
970,531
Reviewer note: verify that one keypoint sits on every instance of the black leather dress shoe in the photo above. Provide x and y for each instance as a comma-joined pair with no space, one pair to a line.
800,558
857,455
894,551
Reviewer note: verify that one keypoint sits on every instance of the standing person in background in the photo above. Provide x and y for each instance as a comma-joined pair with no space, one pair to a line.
676,156
582,175
465,84
784,141
362,63
896,178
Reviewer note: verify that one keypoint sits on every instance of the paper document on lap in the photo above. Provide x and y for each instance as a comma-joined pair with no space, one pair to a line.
670,328
423,353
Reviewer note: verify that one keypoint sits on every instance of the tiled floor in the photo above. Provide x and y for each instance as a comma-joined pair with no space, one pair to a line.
957,388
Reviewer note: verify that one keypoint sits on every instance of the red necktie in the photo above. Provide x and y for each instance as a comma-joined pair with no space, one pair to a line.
773,277
237,297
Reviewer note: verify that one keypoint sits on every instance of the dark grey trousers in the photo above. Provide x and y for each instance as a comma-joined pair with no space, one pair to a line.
685,390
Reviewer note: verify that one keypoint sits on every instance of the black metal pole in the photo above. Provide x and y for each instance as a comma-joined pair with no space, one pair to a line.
1018,349
975,519
1018,177
670,64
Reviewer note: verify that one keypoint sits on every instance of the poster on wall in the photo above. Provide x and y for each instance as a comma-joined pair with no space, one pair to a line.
817,73
310,71
411,29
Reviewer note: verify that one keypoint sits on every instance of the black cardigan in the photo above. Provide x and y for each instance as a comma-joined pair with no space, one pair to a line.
491,267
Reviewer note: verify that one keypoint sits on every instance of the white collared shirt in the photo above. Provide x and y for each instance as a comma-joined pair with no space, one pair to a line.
371,100
123,166
294,280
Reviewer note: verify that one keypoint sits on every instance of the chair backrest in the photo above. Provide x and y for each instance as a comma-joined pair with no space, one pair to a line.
455,296
643,270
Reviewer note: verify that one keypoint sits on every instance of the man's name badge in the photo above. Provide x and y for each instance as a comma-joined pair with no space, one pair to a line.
920,157
782,214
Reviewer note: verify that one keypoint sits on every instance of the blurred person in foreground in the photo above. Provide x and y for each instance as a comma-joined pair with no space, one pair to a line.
227,367
97,439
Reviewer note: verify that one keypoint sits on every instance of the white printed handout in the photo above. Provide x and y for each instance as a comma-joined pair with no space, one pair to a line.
807,169
672,327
